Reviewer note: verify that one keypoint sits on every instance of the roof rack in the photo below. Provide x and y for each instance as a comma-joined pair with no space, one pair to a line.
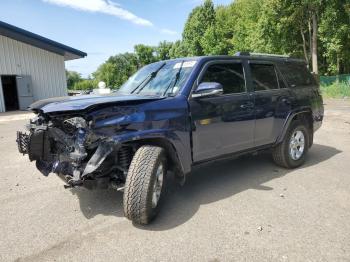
260,54
242,54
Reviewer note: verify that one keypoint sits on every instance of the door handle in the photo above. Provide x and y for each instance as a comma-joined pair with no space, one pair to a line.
286,101
247,105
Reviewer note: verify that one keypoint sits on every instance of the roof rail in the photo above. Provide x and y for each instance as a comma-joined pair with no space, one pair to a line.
260,54
242,54
273,55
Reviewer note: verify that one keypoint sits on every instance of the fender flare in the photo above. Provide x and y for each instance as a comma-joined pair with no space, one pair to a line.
289,119
165,138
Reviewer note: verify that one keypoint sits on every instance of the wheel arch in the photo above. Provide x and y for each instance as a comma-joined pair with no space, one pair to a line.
170,150
304,115
176,144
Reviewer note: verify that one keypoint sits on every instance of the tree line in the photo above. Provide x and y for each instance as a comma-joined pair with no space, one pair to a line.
316,30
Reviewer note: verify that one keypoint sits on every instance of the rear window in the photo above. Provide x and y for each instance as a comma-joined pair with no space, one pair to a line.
297,74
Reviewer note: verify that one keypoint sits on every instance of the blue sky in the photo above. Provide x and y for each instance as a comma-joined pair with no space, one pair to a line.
100,27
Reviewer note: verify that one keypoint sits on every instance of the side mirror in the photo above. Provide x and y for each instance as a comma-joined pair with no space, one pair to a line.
208,89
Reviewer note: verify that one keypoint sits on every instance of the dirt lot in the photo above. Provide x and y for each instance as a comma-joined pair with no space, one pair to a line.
235,210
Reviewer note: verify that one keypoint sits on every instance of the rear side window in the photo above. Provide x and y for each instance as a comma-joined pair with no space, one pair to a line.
296,74
229,75
264,77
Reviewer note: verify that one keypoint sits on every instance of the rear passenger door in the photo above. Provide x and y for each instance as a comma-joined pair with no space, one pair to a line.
222,124
272,101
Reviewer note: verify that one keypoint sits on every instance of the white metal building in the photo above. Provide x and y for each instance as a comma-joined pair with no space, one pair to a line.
31,67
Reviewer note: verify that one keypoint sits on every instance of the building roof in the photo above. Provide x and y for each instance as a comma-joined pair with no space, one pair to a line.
27,37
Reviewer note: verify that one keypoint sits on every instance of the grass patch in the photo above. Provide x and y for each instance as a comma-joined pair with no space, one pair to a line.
336,90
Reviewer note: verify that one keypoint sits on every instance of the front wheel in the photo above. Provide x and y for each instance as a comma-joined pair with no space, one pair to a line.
144,184
293,149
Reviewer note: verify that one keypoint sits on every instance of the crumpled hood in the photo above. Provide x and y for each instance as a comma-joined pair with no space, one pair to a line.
74,103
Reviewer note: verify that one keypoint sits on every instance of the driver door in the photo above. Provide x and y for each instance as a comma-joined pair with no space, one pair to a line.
224,123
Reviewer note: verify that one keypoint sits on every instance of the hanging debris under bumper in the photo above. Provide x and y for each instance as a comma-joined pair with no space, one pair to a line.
74,152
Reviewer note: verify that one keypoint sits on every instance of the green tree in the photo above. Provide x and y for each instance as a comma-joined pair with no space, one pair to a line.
218,36
291,27
85,84
199,21
316,30
163,50
72,78
243,18
145,54
117,69
177,50
334,30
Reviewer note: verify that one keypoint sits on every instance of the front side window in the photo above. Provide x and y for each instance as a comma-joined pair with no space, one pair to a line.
229,75
264,77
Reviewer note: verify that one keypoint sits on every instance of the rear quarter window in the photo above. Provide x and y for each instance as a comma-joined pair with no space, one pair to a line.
297,74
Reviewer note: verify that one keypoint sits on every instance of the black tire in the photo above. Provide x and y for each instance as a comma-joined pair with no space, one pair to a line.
281,154
139,185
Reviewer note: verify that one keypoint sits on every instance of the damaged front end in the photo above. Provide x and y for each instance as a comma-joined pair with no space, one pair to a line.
68,147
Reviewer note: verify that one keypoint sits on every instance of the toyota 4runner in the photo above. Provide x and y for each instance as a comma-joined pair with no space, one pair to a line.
173,115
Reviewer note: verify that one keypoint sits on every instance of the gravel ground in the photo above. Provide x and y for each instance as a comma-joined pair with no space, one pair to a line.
234,210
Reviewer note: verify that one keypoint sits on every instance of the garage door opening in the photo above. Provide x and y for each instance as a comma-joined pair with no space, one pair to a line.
9,89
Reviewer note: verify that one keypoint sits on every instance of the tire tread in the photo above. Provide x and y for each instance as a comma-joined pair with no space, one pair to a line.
137,184
280,152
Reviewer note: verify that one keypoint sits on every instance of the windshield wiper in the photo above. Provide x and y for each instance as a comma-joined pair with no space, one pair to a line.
147,79
177,77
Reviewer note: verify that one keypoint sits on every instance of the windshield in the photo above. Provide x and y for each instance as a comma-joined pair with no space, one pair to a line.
158,79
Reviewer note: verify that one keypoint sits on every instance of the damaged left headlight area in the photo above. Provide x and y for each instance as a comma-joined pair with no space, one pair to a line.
68,147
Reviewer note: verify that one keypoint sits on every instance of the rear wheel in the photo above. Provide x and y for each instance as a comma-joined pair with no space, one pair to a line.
293,149
144,184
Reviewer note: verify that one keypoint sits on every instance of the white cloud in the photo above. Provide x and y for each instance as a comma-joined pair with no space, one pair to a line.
168,32
102,6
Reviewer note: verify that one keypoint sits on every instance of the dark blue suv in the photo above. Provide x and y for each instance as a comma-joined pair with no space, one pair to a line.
173,115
